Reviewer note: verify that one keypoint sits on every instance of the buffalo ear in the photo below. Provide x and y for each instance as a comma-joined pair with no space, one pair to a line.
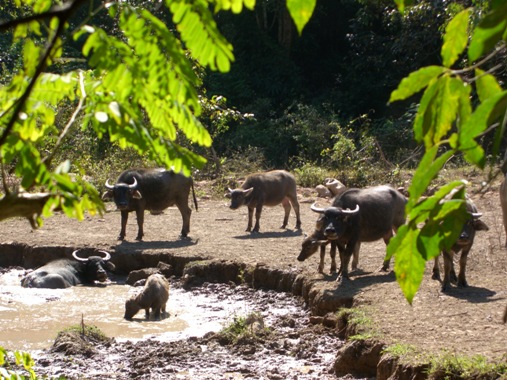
479,225
110,266
136,194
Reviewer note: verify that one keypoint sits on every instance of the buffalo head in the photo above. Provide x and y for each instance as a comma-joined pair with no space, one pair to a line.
94,267
238,197
122,193
335,220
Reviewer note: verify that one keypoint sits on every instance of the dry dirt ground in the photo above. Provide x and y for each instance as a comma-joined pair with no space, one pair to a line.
463,321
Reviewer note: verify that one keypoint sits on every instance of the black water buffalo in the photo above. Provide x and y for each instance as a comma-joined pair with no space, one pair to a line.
266,189
362,215
463,244
64,273
154,190
317,240
154,295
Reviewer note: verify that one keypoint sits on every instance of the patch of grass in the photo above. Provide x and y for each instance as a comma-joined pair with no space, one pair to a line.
358,318
453,367
90,331
243,327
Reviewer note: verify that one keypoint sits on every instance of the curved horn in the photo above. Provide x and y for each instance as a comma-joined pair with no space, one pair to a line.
314,208
230,190
476,215
348,211
74,255
106,257
108,186
134,185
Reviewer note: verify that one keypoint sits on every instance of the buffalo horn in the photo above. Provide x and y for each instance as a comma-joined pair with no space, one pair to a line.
313,207
74,255
134,185
108,186
107,256
476,215
347,211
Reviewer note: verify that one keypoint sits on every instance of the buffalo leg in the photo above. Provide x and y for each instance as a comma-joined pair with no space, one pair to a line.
387,262
250,217
332,253
140,224
186,212
295,205
462,282
124,219
322,256
448,256
286,208
355,259
345,259
258,212
436,269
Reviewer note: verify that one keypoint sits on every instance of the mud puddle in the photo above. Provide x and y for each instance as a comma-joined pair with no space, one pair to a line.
185,345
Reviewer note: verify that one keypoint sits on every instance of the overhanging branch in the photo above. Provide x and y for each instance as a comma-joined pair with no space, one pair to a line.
23,205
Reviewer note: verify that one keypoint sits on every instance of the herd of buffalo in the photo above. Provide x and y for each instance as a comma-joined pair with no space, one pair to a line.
354,216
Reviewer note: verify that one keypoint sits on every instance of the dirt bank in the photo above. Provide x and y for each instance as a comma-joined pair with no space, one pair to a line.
463,321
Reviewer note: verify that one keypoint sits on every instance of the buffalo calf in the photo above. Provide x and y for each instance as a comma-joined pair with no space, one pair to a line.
154,190
463,244
266,189
154,295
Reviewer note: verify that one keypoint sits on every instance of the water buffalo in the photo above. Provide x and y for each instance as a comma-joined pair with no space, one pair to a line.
64,273
154,190
266,189
154,295
463,244
503,204
362,215
317,240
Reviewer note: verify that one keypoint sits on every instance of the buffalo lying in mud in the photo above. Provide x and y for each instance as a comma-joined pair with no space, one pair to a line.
266,189
64,273
154,190
463,244
362,215
154,295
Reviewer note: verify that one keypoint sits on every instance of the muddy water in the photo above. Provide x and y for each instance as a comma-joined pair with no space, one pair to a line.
31,318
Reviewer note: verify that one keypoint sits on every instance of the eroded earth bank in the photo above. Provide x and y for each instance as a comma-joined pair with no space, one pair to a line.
310,340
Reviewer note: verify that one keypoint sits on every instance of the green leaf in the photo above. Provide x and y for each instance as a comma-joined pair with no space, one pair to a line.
301,11
415,82
488,112
487,85
427,170
455,38
491,29
409,264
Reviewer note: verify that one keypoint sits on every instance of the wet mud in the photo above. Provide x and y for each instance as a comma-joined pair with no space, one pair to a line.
280,343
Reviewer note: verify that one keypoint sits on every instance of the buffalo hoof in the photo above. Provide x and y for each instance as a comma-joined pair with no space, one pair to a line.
435,276
343,279
463,284
139,238
121,237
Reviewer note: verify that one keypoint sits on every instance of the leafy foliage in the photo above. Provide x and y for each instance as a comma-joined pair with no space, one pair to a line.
22,359
447,123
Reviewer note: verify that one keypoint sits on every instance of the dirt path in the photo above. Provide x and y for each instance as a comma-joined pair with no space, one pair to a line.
464,321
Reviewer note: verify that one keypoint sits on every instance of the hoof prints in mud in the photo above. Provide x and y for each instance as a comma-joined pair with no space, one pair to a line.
284,346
